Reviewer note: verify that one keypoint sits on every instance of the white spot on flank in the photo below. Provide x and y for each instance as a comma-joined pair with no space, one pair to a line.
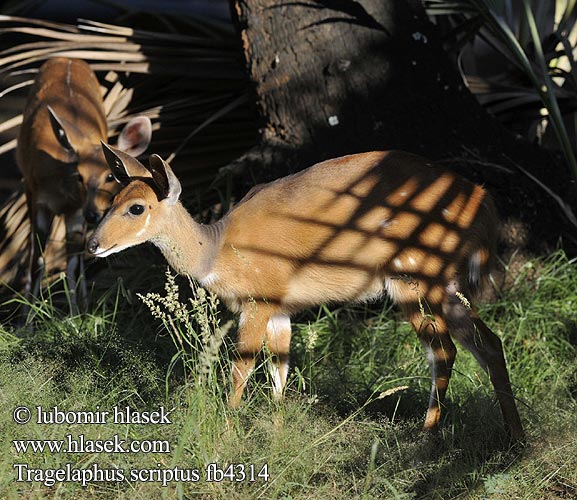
333,120
446,212
412,261
403,194
146,222
398,263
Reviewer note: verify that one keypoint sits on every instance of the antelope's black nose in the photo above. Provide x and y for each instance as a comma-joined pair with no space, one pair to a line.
91,216
92,245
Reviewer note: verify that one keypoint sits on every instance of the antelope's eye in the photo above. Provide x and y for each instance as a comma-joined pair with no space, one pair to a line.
109,178
136,209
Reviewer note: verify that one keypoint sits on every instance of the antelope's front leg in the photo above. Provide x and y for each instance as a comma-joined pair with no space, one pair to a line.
40,223
252,329
75,231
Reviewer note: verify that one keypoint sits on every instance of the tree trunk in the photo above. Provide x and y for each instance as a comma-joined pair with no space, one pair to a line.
334,77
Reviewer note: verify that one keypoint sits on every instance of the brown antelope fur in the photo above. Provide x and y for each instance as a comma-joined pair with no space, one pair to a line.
348,229
15,248
60,157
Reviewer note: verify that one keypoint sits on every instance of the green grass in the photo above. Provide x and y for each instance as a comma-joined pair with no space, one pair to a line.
349,426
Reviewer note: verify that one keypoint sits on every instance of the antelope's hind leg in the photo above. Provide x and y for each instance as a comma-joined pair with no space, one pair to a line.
487,348
422,305
278,339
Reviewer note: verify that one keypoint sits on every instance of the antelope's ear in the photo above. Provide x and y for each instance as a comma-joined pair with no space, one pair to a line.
135,136
58,130
123,166
168,185
117,166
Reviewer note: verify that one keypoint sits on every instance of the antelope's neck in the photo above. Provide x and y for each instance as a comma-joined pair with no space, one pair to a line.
189,247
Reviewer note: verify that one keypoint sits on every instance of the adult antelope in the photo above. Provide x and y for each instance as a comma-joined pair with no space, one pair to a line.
60,157
347,229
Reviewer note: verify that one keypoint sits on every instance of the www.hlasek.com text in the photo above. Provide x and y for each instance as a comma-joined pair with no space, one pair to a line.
82,444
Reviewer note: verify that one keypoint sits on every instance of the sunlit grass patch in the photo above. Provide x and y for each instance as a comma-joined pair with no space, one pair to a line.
349,426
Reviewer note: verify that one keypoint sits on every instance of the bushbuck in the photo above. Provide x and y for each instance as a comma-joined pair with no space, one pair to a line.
60,157
347,229
15,245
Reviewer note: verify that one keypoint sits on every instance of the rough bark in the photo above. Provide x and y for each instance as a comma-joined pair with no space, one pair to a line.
334,77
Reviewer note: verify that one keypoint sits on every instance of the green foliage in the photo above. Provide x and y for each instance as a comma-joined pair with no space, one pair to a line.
349,427
194,327
518,57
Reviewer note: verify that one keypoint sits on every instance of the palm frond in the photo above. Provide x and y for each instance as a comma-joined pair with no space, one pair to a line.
185,81
547,92
535,41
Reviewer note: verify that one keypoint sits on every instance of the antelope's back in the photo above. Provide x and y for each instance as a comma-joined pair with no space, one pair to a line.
71,89
347,223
